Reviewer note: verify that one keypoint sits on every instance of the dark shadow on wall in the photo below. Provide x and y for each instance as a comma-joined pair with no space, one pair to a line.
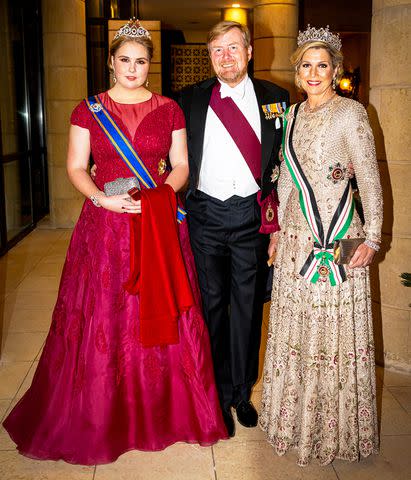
386,242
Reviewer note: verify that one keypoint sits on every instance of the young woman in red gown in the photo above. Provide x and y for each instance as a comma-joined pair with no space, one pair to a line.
98,392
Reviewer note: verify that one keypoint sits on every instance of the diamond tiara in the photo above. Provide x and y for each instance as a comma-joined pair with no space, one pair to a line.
133,29
313,34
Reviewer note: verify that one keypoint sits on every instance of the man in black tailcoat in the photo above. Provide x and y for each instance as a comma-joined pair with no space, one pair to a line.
234,130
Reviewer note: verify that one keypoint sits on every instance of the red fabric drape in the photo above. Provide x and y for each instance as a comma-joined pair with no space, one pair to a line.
157,269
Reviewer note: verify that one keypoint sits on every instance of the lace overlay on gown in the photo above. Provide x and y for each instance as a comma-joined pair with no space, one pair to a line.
319,392
97,392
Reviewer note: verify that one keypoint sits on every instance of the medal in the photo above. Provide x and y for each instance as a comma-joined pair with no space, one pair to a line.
323,271
269,213
162,165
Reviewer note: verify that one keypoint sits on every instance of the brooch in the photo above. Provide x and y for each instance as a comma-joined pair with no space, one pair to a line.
273,110
337,172
162,165
276,173
96,107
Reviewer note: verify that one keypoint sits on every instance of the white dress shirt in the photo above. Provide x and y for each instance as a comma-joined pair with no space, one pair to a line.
224,172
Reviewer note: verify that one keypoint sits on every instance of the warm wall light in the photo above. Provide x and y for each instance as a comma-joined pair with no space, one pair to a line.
345,84
235,14
349,83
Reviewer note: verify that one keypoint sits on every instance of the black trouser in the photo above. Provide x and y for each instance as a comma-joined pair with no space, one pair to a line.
230,257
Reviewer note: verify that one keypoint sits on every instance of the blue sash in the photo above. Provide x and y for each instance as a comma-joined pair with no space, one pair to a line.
123,146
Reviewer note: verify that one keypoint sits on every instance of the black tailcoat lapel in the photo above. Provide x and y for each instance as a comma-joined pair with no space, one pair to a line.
198,115
268,130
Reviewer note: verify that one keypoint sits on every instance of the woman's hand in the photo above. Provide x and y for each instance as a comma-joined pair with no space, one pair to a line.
362,257
120,204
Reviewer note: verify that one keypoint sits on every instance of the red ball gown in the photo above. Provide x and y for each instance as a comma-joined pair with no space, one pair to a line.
97,391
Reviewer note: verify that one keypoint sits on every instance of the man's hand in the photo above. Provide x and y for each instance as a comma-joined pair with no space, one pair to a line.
272,248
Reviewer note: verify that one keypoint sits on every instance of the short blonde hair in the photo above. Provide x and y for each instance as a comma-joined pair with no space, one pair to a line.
120,41
335,55
225,26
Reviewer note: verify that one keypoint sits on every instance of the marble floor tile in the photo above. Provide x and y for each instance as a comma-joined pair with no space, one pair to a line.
47,234
31,300
15,259
243,434
258,461
58,258
4,405
29,248
22,319
393,462
6,443
394,420
177,462
36,283
403,396
22,347
393,378
48,269
12,375
14,466
25,384
60,246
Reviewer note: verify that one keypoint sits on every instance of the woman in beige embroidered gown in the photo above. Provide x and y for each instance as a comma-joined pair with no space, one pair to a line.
319,377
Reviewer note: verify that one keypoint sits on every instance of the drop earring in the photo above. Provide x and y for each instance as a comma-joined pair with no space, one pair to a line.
147,83
334,83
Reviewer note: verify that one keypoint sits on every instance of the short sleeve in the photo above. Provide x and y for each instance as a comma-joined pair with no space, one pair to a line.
179,120
81,116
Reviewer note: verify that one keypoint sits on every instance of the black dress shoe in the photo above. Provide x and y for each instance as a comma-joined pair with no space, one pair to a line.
229,422
246,414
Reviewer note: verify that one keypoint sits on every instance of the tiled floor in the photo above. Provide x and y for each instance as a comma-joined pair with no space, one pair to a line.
29,277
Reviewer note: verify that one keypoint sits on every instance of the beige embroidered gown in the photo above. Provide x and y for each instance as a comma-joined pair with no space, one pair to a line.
319,376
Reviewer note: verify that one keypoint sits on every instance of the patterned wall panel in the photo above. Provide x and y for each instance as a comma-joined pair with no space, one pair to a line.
189,64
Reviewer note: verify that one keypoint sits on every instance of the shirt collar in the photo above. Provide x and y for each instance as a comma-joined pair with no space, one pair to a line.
237,92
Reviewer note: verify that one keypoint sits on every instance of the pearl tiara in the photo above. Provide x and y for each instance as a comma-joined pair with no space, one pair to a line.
133,29
313,34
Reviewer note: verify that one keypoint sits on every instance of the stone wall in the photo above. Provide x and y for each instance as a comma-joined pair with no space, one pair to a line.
65,72
390,113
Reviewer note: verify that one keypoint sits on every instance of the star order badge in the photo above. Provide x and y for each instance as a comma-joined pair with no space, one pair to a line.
337,172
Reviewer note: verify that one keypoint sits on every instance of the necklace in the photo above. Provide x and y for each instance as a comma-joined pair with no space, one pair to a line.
308,109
